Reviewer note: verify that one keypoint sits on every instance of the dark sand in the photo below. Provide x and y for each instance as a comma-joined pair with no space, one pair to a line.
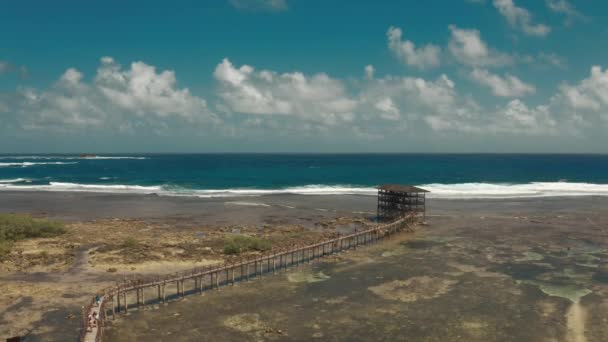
482,270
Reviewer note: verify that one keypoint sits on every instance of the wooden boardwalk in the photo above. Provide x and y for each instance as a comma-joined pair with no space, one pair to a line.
137,293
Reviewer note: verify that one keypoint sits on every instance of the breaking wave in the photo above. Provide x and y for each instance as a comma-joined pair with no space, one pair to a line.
463,190
535,189
28,164
49,157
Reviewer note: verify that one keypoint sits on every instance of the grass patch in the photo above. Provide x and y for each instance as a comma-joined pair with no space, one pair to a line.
15,227
242,243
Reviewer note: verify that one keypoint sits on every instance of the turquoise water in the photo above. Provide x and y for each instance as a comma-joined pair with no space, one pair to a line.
446,175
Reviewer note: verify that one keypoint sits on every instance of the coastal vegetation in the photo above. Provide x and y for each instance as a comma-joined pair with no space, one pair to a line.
15,227
130,243
242,243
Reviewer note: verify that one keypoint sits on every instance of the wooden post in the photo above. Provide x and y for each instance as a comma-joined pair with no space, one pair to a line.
113,308
159,296
118,300
274,265
217,280
143,296
261,268
232,275
125,300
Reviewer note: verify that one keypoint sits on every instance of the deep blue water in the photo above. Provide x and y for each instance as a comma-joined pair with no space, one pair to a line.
307,173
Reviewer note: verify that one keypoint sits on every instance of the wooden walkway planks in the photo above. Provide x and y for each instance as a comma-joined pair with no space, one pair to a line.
116,299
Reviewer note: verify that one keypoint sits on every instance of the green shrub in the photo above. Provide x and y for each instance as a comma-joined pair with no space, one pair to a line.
15,227
130,243
241,243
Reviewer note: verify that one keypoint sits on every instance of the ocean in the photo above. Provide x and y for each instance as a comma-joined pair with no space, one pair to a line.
225,175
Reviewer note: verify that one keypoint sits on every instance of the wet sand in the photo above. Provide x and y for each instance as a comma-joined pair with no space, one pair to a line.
482,270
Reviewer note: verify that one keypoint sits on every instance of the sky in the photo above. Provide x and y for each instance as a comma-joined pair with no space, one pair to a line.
304,76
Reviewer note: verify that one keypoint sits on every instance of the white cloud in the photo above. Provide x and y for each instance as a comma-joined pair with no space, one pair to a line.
369,71
260,5
317,97
468,48
136,97
387,109
507,86
566,8
520,18
424,57
143,91
591,94
516,117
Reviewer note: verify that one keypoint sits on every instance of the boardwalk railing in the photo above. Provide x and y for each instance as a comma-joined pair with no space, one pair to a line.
139,292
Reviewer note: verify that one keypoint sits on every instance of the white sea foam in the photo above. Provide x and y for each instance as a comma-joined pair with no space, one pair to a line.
49,157
16,180
464,190
28,164
102,157
58,186
536,189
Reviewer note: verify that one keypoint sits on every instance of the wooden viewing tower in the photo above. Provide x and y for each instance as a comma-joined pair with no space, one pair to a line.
395,201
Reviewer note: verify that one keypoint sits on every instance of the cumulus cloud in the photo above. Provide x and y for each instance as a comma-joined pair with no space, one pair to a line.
143,91
516,116
116,98
260,5
591,94
468,48
424,57
507,86
317,97
520,18
387,109
374,105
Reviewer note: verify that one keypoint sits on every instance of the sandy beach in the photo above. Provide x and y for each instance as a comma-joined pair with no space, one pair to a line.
521,251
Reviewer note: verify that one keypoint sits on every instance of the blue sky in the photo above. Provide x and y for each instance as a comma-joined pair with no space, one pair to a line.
296,76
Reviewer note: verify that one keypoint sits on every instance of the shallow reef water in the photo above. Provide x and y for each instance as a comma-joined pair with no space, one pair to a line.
447,282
